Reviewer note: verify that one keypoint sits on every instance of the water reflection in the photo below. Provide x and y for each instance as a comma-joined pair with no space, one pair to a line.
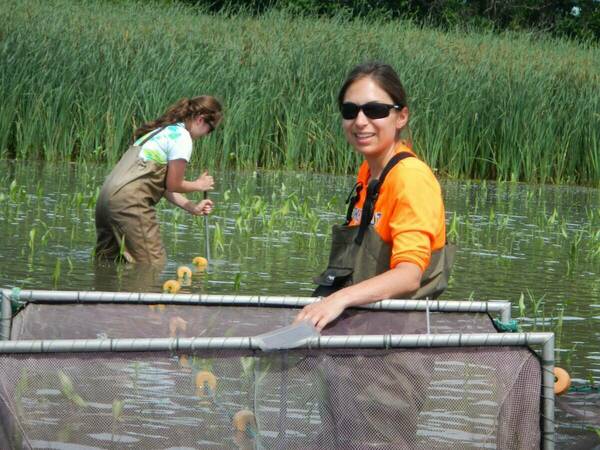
110,276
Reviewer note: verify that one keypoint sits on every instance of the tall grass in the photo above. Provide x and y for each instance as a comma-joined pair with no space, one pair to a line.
76,77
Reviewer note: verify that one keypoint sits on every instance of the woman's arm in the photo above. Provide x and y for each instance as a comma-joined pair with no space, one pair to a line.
203,207
177,183
399,282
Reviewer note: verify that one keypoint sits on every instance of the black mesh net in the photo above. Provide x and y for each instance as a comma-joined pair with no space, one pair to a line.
478,397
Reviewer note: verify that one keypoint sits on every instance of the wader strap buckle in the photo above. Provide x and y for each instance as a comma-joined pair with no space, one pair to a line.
351,200
373,193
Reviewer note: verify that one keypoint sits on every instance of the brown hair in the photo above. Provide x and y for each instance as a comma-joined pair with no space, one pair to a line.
385,77
185,108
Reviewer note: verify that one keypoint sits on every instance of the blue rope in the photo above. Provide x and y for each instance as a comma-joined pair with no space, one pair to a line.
511,326
585,388
15,301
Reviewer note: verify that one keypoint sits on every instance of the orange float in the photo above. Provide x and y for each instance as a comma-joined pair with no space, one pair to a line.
562,381
160,307
205,381
200,262
244,421
184,273
171,286
176,324
184,361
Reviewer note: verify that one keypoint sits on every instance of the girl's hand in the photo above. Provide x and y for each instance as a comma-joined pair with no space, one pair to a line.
205,182
201,208
321,313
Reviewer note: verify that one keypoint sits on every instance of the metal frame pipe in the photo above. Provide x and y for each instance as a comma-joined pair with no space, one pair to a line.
548,427
6,312
383,341
41,296
546,340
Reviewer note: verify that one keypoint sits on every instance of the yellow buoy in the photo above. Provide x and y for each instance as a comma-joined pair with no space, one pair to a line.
562,381
200,262
171,286
160,307
184,361
176,324
244,421
206,383
184,273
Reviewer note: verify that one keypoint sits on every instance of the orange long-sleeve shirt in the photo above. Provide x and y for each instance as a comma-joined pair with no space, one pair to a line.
409,212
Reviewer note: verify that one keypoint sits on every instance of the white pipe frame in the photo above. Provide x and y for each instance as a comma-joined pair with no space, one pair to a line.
42,296
546,340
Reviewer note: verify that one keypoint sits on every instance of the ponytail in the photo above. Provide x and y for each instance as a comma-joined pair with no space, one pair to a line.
185,108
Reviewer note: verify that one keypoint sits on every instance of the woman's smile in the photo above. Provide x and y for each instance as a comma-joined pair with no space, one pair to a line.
363,137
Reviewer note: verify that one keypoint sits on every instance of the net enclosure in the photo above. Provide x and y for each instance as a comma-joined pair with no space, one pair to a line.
92,370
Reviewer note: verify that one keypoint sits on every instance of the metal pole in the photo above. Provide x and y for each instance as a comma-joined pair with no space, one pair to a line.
248,343
207,240
43,296
6,316
548,438
427,317
505,311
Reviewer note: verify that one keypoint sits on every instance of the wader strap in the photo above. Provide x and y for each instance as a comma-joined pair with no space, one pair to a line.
373,192
151,135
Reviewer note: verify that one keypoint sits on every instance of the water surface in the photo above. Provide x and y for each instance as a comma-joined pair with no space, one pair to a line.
536,246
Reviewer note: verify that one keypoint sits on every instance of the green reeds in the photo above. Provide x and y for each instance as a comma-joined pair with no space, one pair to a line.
77,77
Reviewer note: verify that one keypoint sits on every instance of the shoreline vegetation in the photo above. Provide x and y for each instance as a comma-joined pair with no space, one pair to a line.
77,77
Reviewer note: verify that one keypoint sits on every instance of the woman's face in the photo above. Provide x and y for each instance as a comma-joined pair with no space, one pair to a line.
199,126
372,137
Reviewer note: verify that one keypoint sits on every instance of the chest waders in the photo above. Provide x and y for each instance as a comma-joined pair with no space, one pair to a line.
358,252
126,223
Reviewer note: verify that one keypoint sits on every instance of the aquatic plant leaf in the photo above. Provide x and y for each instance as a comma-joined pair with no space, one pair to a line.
247,366
117,408
68,390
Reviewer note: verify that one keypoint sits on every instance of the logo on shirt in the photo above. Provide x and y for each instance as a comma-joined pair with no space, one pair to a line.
357,214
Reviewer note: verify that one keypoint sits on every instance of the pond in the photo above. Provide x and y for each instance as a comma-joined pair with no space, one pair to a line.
535,246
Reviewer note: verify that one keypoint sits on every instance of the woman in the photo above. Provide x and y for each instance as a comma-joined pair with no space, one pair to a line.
393,244
153,167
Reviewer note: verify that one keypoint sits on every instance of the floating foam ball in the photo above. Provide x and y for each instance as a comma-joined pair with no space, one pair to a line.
176,324
244,421
171,286
184,361
206,383
562,381
200,262
184,272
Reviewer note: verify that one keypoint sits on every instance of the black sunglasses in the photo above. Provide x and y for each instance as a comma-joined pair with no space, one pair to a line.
211,127
372,110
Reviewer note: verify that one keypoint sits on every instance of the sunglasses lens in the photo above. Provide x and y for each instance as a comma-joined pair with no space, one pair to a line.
376,110
349,111
371,110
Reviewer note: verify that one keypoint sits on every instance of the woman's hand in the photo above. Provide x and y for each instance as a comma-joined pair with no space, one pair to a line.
205,182
201,208
399,282
322,312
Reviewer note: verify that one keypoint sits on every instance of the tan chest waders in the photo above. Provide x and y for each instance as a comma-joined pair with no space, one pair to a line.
358,252
126,223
